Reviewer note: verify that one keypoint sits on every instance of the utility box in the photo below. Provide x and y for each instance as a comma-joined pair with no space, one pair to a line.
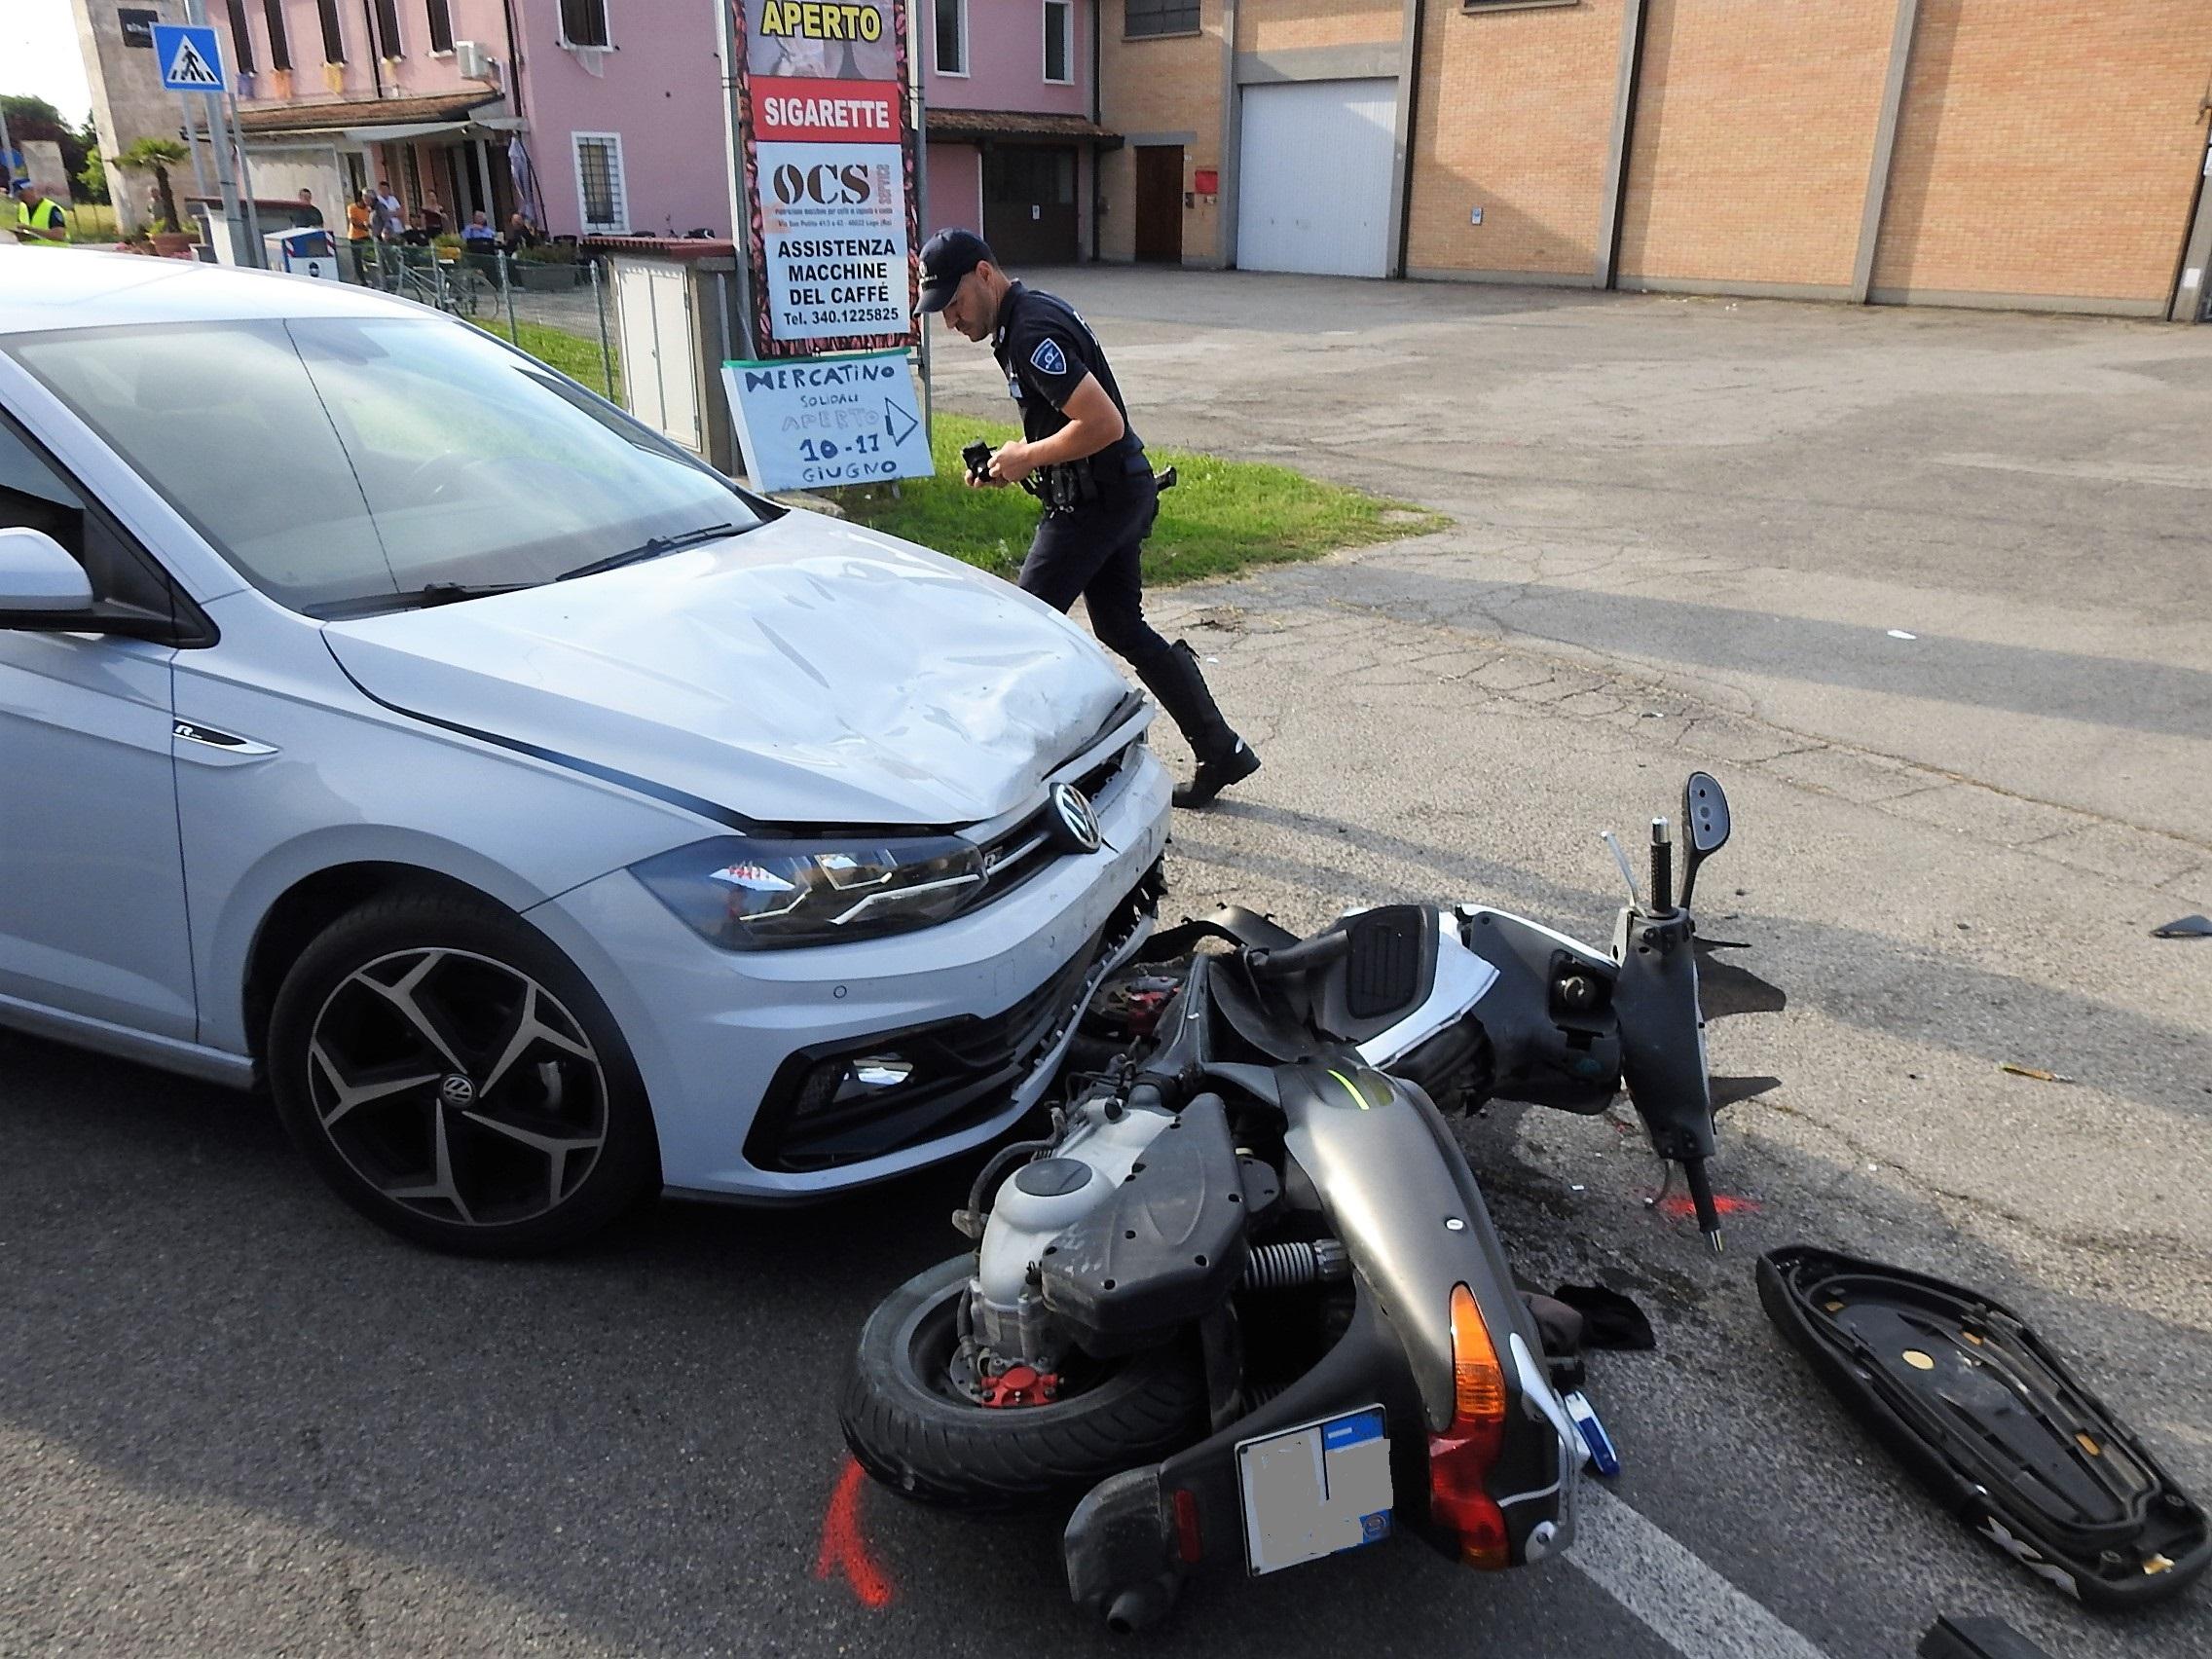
676,320
306,252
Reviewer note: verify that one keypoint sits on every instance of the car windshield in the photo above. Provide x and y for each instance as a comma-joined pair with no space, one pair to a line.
347,465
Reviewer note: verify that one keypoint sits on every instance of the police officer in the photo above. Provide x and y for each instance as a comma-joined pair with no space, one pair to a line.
1093,478
38,216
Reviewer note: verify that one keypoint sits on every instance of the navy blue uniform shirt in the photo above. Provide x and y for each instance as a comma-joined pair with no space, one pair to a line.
1045,350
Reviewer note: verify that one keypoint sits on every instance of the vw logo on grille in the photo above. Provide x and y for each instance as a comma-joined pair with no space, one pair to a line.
1074,823
456,1091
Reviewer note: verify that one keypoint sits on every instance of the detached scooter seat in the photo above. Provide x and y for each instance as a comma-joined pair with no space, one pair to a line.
1992,1424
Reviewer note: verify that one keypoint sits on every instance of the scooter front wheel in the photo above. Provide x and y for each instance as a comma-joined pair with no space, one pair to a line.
915,1432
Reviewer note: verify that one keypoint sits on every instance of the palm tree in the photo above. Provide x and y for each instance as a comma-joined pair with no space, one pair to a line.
155,155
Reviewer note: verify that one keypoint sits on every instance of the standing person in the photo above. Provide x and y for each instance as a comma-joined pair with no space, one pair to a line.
38,217
306,216
433,219
391,217
1097,486
360,220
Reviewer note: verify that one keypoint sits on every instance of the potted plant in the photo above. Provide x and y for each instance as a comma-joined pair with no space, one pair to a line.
157,156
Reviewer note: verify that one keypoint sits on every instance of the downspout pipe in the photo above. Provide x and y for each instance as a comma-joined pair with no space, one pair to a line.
375,45
1097,119
1409,120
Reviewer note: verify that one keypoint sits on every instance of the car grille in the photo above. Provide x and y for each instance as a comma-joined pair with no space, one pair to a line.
1027,850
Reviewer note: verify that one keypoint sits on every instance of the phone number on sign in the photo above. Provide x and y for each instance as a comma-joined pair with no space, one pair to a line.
842,317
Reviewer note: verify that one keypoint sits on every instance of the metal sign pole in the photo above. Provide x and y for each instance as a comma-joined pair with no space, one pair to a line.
191,143
921,142
196,14
740,208
245,178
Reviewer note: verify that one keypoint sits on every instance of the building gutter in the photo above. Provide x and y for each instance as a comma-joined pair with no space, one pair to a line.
369,38
1885,146
1607,269
1402,140
1097,119
1232,145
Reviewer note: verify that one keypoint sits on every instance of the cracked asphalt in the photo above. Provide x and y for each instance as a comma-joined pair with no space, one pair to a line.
1928,591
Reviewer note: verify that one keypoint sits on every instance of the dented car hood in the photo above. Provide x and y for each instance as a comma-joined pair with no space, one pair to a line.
805,672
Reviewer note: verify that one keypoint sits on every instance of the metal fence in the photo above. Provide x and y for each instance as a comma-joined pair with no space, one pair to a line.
504,294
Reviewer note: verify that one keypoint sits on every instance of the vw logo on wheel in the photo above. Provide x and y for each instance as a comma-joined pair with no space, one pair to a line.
1074,823
456,1091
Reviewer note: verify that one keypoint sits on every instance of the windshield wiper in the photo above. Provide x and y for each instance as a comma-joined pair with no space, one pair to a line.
415,599
653,549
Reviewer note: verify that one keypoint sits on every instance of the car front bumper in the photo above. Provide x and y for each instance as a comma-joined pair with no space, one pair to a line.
760,1066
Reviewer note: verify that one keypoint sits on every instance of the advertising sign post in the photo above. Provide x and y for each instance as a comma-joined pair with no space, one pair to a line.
824,170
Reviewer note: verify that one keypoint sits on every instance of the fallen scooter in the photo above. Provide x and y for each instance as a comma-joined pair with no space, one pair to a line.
1246,1302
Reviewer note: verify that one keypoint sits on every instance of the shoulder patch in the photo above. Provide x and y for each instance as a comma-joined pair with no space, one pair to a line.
1049,358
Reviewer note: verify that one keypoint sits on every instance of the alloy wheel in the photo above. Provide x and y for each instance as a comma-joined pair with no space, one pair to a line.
458,1087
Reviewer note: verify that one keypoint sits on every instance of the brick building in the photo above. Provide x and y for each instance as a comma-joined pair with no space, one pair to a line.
1957,152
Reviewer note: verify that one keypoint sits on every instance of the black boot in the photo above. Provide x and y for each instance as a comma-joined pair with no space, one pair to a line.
1223,758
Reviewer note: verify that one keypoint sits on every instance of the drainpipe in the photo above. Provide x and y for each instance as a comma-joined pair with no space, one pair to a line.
1097,119
1408,118
514,61
1607,266
369,34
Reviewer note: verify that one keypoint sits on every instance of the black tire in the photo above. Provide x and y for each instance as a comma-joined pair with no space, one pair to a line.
911,1432
489,956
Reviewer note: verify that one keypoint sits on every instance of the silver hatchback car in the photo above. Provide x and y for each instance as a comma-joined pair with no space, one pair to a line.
545,820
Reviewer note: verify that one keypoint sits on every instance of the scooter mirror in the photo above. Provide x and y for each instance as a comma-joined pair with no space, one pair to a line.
1704,820
1705,814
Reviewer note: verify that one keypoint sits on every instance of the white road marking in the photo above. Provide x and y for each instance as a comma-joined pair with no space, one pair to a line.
1683,1601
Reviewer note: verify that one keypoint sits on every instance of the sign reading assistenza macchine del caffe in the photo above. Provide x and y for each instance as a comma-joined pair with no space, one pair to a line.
828,162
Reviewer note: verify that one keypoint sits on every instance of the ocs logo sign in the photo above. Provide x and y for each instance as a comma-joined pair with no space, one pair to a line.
823,184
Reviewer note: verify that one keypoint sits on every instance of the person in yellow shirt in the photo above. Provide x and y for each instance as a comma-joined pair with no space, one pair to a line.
38,217
358,219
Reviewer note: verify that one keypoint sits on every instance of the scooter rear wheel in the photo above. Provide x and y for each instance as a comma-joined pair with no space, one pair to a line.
915,1433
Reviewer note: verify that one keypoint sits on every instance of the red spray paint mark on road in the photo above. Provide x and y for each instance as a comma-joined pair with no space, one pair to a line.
1679,1204
845,1546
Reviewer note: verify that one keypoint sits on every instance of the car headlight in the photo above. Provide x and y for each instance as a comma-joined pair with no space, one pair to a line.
739,893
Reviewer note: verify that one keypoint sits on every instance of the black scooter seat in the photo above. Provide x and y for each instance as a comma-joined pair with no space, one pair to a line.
1992,1422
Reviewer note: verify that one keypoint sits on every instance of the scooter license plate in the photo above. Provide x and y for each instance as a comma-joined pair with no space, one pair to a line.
1315,1491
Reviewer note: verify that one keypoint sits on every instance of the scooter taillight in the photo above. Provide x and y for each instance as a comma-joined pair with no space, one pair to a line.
1460,1459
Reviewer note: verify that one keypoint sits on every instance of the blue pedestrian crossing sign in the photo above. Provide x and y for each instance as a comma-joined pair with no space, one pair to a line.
190,57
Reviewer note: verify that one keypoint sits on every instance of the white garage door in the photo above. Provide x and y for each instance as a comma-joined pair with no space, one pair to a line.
1313,178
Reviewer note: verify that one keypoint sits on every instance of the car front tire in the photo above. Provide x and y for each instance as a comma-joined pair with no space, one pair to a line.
457,1079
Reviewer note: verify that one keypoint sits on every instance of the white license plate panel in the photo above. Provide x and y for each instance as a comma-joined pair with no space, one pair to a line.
1316,1490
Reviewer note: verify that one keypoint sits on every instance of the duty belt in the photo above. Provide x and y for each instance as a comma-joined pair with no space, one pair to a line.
1066,485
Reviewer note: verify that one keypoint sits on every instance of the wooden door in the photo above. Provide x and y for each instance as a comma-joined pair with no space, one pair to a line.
1160,202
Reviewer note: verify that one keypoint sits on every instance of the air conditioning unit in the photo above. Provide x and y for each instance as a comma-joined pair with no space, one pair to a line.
473,61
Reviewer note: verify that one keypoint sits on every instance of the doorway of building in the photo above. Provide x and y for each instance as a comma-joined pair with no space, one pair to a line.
1029,215
1159,204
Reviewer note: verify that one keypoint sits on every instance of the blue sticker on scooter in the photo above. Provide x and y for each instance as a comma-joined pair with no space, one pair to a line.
1350,1432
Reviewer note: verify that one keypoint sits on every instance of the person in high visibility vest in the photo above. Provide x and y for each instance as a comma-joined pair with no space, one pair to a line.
38,217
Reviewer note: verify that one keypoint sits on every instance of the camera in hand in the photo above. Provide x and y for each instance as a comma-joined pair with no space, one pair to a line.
978,457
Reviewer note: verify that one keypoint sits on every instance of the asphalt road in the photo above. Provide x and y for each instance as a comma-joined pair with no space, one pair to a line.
232,1419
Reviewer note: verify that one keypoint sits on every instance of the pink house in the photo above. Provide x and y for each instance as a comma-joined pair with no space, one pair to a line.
604,116
1011,101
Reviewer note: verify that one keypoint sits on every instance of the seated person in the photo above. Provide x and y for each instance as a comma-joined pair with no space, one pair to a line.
477,236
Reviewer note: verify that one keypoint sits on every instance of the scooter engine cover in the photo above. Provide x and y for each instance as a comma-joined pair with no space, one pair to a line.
1167,1247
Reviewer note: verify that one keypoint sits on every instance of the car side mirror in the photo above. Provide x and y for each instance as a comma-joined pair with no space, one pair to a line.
38,577
1705,822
